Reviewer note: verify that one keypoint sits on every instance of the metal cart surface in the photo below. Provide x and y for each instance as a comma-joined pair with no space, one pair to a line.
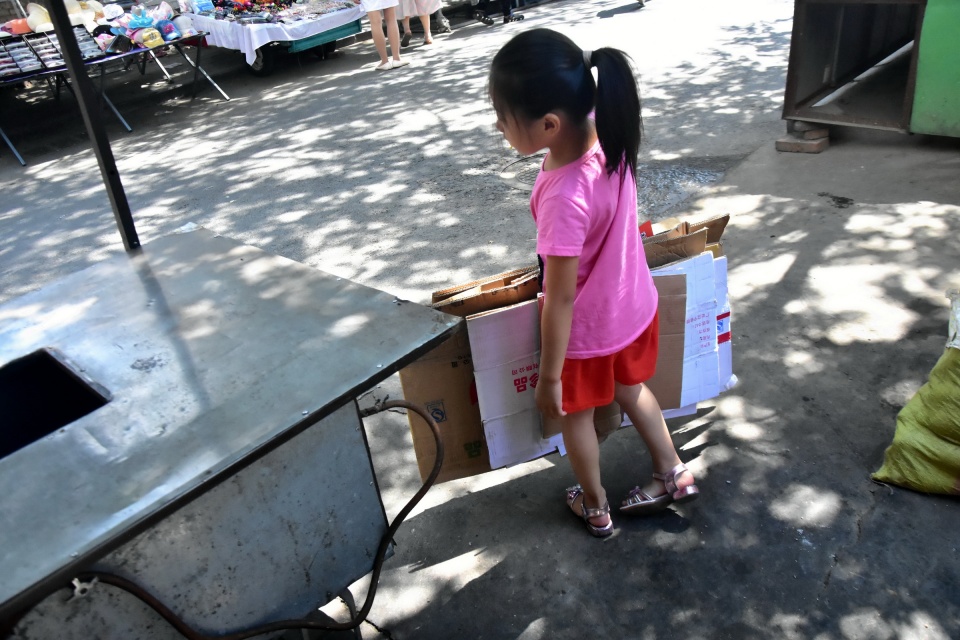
208,448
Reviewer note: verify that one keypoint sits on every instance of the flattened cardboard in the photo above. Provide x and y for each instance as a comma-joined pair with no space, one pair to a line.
511,288
507,389
442,294
724,332
675,227
442,381
506,347
503,335
606,420
515,439
667,383
714,226
661,251
701,356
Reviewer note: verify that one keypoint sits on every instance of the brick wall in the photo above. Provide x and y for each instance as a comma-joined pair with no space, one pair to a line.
8,10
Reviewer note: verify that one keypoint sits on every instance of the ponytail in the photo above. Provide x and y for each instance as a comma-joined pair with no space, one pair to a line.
619,124
540,71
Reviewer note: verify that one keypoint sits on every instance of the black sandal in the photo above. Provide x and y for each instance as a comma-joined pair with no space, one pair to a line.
513,17
479,16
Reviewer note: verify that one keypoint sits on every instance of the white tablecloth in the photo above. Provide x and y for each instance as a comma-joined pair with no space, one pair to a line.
250,37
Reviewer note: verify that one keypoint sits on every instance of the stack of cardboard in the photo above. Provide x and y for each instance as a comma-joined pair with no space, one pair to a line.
479,385
444,381
694,250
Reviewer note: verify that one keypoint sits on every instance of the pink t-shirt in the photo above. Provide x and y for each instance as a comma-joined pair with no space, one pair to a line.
581,211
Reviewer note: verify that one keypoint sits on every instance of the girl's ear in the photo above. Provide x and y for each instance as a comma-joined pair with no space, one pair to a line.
551,124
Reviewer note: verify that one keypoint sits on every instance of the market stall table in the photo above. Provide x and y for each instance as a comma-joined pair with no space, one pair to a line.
253,39
57,73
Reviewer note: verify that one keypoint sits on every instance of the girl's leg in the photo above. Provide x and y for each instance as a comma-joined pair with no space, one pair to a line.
393,31
376,30
583,450
425,21
639,403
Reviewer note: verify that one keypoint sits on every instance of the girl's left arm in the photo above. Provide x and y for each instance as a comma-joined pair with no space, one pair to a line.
561,287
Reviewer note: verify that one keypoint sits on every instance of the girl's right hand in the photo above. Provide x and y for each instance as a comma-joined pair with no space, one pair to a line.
549,397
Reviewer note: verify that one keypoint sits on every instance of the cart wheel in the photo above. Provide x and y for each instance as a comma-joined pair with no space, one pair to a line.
266,60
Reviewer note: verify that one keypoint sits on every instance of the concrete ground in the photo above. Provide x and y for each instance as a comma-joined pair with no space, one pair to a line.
838,264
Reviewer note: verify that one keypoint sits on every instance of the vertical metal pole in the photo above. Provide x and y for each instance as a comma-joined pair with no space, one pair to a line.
90,110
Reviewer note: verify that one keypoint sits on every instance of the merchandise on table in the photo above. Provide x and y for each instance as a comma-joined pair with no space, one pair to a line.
252,12
98,29
142,27
38,50
38,18
314,8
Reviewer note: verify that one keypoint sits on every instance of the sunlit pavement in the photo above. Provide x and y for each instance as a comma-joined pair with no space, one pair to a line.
393,180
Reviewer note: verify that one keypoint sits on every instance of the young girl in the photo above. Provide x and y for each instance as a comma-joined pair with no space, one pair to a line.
598,327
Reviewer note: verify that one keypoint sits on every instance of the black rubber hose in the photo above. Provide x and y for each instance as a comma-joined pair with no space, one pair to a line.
190,633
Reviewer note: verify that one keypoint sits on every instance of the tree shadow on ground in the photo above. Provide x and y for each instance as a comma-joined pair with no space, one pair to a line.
392,182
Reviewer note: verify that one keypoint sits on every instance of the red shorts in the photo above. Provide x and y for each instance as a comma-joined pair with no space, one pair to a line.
589,382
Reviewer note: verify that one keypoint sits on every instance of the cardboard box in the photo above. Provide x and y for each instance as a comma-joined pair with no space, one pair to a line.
442,381
490,293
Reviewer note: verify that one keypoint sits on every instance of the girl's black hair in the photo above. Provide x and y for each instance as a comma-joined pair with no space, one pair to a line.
542,71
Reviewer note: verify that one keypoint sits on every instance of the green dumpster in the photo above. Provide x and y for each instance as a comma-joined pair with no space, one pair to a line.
882,64
936,99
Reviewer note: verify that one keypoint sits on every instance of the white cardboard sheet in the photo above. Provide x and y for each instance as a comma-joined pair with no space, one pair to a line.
506,354
701,379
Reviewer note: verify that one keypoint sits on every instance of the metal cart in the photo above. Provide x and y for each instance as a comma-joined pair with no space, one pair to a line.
184,418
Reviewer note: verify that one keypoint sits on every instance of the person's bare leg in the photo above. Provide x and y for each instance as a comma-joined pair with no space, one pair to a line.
377,32
406,25
393,31
583,451
427,36
639,403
